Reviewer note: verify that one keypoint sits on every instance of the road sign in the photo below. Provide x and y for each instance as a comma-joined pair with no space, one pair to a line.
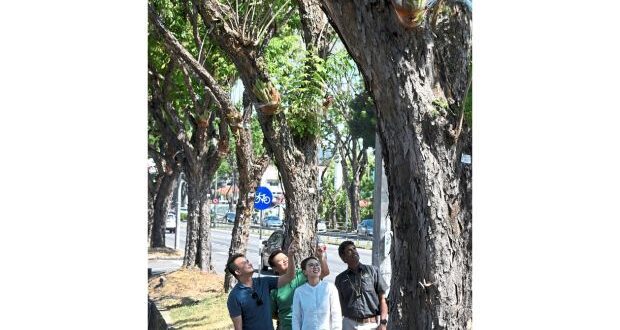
262,198
215,201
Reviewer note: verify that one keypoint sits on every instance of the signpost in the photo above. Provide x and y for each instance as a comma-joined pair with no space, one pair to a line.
262,201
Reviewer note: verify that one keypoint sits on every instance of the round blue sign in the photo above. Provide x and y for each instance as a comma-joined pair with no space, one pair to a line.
262,198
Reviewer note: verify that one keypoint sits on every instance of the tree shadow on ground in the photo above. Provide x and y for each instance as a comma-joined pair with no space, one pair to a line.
185,301
188,323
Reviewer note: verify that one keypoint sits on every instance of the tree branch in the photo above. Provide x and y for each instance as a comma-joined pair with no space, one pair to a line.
179,51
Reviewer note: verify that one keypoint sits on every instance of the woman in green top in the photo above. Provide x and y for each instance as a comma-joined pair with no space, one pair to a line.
282,298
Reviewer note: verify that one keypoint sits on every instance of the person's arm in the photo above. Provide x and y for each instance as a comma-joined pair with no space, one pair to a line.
334,305
383,309
381,287
237,322
296,311
323,259
290,272
273,295
234,311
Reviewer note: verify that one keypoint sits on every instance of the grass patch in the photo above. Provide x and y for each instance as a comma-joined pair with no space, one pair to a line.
193,299
210,313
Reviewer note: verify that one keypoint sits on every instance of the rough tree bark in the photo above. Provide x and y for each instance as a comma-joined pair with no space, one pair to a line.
162,206
418,77
150,215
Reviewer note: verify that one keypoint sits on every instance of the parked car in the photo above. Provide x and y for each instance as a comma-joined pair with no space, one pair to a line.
229,217
321,227
220,210
274,242
171,222
365,227
272,221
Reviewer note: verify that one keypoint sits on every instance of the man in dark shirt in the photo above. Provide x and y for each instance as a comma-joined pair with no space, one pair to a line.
249,303
361,290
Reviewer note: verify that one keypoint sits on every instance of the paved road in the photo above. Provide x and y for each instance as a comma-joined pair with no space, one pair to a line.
221,243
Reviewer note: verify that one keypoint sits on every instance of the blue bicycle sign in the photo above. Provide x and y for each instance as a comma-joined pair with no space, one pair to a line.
262,198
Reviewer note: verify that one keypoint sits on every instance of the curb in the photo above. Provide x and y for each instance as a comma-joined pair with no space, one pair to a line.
166,258
159,317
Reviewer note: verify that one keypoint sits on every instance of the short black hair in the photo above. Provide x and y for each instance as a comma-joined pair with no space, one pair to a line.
230,264
343,246
305,262
272,256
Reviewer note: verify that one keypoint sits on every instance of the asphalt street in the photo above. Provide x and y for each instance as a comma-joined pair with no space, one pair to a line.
221,243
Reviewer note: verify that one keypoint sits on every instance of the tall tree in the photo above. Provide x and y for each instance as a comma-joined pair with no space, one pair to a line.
355,112
415,60
198,122
291,137
250,166
203,146
164,153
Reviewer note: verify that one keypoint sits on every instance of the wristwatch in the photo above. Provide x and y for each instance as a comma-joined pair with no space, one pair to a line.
383,322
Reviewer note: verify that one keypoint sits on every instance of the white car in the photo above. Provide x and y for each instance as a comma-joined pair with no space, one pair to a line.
321,227
171,222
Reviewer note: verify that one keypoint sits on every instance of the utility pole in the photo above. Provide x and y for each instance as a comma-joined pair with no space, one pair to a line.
382,238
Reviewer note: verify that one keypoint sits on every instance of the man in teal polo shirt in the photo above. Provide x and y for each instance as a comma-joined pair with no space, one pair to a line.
282,297
249,305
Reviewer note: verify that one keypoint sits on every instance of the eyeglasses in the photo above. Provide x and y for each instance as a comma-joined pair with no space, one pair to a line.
257,298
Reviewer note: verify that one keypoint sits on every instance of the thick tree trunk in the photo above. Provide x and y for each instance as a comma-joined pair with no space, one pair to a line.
299,172
418,79
162,206
198,174
300,186
431,232
198,241
250,173
151,211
